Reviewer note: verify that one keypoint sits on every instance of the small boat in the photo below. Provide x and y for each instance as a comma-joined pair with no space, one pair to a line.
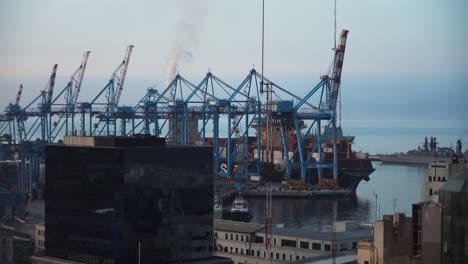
239,210
239,205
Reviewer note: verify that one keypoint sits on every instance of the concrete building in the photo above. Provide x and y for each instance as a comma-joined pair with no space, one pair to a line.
6,248
454,199
427,232
245,242
436,176
15,247
40,237
391,242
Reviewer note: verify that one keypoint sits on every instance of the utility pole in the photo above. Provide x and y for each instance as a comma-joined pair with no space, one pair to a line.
269,153
375,195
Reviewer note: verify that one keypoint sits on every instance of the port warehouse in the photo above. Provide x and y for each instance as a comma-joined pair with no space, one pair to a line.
244,242
182,113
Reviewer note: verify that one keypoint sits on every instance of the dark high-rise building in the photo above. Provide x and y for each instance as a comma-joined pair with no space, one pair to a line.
115,200
454,199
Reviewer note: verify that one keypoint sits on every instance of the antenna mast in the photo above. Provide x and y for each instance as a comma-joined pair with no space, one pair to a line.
269,154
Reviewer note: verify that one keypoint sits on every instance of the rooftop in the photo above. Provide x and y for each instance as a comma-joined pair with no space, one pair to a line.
114,141
458,183
311,234
239,227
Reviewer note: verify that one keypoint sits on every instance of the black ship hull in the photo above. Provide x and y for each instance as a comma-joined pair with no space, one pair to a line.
350,173
237,216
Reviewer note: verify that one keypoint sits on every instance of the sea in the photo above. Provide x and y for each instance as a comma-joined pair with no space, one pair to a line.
392,187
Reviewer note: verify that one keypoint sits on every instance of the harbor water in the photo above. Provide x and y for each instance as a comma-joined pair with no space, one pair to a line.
396,187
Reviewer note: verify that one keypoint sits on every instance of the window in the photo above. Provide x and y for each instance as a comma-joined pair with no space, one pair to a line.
316,246
304,244
258,253
258,239
354,245
277,255
366,262
271,255
430,178
430,191
247,238
237,237
230,249
288,243
4,241
297,257
290,257
274,241
284,256
237,250
226,236
232,237
443,179
242,251
344,246
438,178
247,252
327,247
242,238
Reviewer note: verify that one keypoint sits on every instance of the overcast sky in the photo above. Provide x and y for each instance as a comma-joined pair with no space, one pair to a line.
387,38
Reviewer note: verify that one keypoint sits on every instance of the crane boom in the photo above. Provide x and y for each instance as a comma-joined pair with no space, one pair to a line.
123,72
18,96
51,84
338,66
79,77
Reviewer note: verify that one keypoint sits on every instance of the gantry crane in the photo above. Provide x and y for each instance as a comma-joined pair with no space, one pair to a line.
106,111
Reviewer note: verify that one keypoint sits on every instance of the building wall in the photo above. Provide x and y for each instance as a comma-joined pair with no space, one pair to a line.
40,237
391,244
366,252
250,247
455,222
103,203
431,233
436,176
6,249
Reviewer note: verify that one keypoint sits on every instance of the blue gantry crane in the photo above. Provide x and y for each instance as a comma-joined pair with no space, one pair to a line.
230,118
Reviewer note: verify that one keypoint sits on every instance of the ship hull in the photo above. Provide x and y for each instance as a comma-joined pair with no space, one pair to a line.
236,216
350,173
412,159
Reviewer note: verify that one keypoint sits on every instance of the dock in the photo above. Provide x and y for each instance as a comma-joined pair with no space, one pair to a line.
299,194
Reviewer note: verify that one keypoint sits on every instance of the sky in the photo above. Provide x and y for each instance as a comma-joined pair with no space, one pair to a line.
405,60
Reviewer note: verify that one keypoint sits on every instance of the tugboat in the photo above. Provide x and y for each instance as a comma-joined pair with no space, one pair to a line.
239,210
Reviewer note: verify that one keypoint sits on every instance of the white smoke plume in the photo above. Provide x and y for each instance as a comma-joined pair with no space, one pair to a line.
187,36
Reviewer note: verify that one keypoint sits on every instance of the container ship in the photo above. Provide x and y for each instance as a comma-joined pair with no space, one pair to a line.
353,167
